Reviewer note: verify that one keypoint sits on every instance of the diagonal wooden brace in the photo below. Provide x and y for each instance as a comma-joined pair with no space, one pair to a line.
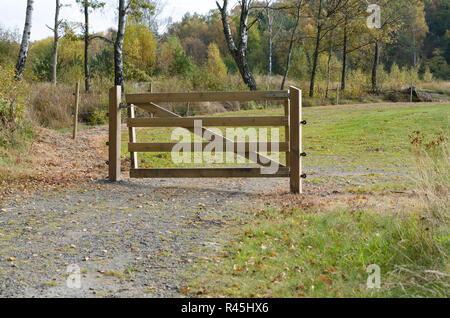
159,111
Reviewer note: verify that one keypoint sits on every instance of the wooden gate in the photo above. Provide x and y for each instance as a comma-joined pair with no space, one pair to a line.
291,121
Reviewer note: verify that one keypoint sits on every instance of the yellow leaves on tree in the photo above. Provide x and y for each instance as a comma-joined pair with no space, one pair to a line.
216,69
139,51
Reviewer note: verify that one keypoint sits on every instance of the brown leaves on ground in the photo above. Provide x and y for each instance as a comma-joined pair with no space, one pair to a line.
325,279
319,198
59,161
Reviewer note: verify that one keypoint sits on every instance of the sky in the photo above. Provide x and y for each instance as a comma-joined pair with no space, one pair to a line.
13,14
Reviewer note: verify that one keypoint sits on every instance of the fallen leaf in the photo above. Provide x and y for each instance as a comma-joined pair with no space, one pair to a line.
325,279
185,290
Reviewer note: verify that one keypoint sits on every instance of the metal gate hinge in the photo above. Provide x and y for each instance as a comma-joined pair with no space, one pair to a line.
125,106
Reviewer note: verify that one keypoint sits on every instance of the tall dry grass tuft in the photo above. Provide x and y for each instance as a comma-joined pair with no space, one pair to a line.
54,107
433,175
50,107
423,239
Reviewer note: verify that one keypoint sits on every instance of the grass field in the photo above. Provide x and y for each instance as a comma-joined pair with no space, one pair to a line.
365,147
310,253
299,250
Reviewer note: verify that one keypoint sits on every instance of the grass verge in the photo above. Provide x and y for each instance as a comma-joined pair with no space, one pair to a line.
295,253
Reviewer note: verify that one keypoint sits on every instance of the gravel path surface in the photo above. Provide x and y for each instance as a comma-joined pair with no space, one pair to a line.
130,239
134,238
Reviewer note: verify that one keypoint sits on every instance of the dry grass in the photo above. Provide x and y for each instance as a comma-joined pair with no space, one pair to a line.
432,178
439,87
54,107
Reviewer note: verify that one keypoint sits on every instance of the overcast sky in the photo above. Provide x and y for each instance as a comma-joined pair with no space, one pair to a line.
13,14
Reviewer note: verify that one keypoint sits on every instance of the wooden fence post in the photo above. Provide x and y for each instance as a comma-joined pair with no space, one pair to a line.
77,102
132,138
287,130
295,139
115,95
337,95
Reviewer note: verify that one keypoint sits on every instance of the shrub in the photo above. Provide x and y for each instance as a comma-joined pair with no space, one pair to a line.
53,107
216,70
427,76
357,84
13,101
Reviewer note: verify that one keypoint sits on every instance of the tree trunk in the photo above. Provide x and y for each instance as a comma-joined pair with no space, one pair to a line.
23,53
330,55
376,62
316,52
239,52
269,19
315,62
344,56
291,45
413,28
86,47
118,45
55,44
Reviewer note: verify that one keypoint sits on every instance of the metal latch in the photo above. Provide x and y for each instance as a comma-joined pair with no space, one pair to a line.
277,95
125,106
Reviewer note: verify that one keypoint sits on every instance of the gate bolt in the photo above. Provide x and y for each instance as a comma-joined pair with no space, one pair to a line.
303,176
303,154
303,122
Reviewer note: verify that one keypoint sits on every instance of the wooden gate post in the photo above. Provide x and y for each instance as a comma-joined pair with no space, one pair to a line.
77,102
115,95
295,139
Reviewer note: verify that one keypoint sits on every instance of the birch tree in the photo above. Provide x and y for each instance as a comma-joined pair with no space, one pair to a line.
126,7
239,51
56,37
23,53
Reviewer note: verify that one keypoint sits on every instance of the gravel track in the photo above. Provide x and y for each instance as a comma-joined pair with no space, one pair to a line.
129,239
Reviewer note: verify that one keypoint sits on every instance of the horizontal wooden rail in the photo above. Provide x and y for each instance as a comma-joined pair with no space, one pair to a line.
206,173
261,121
159,111
227,147
206,97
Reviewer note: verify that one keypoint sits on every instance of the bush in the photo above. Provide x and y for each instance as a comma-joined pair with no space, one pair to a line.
427,76
13,101
358,83
53,107
216,70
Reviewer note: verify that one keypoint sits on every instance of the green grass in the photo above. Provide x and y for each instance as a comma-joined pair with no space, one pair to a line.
343,141
312,253
15,161
290,253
